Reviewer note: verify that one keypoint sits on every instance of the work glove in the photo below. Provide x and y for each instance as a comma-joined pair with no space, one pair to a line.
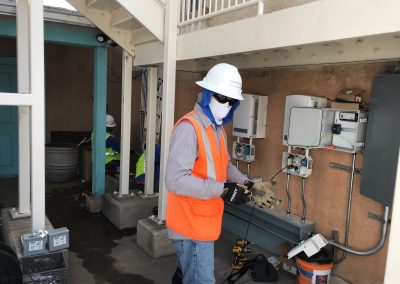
262,194
235,194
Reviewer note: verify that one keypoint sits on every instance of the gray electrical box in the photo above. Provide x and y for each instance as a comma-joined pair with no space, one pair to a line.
58,239
33,244
382,140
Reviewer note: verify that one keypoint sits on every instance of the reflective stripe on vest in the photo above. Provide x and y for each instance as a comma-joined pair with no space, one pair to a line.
141,165
195,218
110,154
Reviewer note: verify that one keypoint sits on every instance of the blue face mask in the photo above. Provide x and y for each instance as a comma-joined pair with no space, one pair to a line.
205,105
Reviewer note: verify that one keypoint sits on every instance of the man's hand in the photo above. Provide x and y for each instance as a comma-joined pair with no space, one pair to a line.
235,194
262,194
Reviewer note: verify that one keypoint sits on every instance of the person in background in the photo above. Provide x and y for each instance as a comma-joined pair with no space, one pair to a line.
141,167
200,177
113,148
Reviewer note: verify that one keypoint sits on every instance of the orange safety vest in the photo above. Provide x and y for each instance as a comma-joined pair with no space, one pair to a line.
195,218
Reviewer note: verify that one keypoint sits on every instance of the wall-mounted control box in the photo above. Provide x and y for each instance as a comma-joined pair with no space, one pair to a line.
243,152
300,101
342,130
295,164
250,119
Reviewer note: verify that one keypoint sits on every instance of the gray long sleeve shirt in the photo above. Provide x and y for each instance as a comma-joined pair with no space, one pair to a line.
183,152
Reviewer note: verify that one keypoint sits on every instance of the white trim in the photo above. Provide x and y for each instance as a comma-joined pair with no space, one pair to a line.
24,112
168,98
126,122
15,99
36,48
392,271
149,13
51,14
151,131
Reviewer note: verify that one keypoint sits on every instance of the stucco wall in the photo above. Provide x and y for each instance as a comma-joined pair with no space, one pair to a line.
327,188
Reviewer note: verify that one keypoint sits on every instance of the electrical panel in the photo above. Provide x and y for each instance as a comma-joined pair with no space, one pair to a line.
342,130
348,130
250,119
305,124
243,152
380,164
295,164
300,101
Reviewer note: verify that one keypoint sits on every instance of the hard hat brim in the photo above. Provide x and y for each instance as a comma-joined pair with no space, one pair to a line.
234,94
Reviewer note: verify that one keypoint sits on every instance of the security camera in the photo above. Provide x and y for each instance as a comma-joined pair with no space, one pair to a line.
102,38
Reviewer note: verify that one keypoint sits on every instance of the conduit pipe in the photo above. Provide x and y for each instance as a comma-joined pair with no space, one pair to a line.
370,251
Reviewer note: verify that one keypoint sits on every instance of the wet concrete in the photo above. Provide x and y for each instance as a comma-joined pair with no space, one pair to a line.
92,236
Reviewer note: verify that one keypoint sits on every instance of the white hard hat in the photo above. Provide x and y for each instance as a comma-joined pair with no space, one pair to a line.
223,79
110,121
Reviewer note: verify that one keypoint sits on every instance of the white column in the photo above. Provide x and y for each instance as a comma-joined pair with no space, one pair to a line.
36,53
392,272
151,118
24,158
125,122
168,108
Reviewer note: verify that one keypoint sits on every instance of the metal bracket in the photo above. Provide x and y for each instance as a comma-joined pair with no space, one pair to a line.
344,168
377,217
156,220
117,196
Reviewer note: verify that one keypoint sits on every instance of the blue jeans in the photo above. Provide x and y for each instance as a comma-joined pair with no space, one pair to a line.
196,260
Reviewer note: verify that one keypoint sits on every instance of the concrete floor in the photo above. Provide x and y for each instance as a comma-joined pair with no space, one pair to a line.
100,253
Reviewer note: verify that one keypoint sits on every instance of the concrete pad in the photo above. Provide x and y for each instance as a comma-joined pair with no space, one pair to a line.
153,238
94,204
125,212
112,183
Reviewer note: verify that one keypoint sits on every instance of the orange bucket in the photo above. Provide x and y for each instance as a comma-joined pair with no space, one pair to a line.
315,269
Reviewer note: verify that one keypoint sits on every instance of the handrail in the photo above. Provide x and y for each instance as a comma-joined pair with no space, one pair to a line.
188,15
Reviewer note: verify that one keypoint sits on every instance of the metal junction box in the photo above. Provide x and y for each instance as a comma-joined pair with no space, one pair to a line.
58,239
33,244
250,118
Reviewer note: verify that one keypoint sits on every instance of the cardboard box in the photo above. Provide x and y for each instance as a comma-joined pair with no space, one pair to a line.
345,106
348,98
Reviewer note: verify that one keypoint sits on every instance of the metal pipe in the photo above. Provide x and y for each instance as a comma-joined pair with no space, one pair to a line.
288,193
370,251
349,203
303,199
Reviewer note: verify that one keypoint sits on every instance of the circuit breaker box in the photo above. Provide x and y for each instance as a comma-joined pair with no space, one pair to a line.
381,153
250,119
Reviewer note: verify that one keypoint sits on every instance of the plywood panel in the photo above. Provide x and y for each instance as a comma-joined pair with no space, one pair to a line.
327,188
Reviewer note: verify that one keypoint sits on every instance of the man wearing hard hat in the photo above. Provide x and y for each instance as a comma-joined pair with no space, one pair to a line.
200,177
112,159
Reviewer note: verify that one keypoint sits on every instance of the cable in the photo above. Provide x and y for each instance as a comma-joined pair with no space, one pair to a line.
271,179
248,222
